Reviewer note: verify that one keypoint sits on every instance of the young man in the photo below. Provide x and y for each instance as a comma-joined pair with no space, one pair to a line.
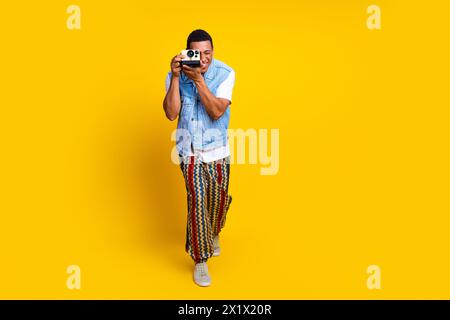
200,97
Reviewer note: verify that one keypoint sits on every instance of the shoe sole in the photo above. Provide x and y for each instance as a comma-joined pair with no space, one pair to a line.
202,284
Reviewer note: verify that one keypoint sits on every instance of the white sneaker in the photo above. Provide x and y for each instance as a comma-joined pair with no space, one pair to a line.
201,276
216,246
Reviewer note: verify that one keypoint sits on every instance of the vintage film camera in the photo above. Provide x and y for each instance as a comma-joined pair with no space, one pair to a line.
191,58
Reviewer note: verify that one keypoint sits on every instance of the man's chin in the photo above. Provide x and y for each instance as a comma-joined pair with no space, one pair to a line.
203,69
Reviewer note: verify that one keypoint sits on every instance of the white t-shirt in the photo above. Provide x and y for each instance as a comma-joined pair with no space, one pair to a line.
225,91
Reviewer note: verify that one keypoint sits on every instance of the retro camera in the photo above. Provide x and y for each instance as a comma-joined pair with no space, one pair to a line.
191,58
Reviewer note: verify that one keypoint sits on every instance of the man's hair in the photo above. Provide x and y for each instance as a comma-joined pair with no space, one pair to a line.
198,35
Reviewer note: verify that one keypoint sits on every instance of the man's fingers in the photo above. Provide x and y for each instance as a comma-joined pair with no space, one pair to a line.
179,57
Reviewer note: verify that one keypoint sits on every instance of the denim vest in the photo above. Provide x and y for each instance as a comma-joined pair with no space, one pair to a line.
196,130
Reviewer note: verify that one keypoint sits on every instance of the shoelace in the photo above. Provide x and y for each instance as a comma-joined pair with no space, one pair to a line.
201,268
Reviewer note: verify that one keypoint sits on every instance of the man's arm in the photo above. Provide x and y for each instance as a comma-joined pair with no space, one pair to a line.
215,107
172,102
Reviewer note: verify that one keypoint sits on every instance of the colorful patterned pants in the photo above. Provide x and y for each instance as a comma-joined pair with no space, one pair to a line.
208,203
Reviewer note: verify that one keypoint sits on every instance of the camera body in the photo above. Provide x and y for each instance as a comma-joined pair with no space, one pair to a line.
191,58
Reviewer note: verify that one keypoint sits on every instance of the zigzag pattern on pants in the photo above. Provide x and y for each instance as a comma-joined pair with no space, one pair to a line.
208,202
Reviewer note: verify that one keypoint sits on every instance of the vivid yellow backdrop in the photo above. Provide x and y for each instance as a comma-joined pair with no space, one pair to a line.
364,136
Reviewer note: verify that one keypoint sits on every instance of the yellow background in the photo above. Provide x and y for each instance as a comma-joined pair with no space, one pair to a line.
364,134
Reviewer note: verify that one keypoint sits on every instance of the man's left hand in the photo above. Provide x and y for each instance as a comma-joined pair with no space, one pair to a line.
193,73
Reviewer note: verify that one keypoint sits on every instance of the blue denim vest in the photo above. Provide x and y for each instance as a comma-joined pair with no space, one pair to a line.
196,130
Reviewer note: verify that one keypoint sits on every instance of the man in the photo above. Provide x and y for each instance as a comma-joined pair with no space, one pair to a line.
200,97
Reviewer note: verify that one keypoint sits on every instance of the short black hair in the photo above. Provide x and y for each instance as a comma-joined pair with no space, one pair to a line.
198,35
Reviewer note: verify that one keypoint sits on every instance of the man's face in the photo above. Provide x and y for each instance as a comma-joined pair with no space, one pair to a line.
206,53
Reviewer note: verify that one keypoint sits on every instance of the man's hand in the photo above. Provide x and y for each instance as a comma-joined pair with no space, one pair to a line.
175,65
193,73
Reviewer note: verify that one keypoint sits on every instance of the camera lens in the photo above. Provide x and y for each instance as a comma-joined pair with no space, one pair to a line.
190,53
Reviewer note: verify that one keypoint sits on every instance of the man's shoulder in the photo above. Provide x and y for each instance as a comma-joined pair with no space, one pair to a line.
223,66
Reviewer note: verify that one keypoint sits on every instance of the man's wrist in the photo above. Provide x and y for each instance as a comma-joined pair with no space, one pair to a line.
199,82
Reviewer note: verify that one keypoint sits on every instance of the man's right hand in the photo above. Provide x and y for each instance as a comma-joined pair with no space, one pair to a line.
175,65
